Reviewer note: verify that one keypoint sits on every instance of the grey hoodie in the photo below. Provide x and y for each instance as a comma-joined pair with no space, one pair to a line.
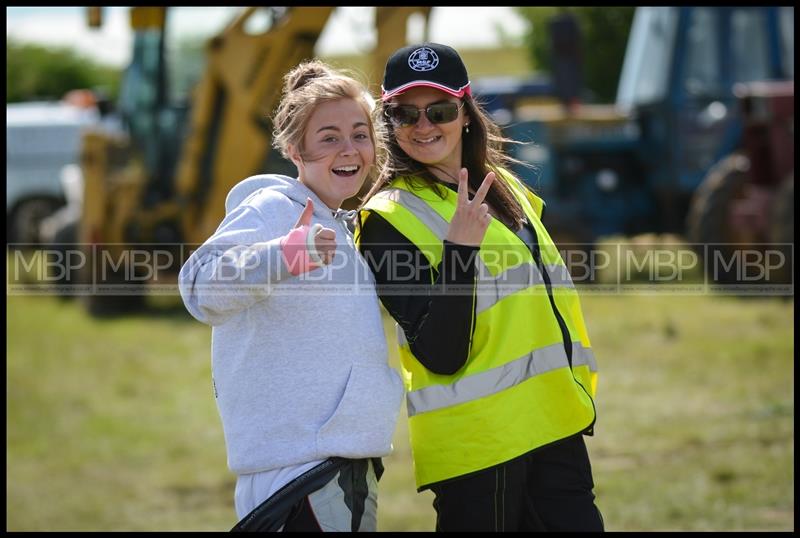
299,364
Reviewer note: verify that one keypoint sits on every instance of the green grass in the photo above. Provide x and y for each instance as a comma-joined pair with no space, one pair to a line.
112,425
696,412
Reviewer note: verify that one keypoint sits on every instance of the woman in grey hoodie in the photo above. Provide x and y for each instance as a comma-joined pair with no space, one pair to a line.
299,358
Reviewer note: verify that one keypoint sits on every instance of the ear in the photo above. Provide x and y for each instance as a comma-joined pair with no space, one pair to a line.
294,154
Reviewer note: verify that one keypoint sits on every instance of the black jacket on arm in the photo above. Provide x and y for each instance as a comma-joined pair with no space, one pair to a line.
433,305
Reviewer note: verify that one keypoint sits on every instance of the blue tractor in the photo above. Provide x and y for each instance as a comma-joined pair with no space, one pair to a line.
635,166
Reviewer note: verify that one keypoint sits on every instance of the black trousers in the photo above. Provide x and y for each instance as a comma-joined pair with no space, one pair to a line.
547,489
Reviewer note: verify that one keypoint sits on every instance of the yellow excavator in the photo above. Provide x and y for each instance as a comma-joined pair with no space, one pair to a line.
194,105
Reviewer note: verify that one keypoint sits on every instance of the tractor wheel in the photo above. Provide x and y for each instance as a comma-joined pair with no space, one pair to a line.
709,226
23,226
782,230
107,305
782,219
103,300
65,242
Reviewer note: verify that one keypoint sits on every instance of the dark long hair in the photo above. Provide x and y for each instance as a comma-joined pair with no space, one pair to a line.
481,153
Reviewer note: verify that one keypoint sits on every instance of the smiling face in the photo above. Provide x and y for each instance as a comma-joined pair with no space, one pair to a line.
435,145
338,151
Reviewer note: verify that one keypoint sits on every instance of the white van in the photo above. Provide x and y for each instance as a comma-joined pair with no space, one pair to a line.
41,139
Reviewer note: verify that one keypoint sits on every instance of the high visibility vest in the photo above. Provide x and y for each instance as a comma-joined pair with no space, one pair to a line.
517,390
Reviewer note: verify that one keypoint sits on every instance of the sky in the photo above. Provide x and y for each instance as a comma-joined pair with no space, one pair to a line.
459,27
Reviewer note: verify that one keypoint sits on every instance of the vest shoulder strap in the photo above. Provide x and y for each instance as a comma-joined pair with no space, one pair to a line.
537,204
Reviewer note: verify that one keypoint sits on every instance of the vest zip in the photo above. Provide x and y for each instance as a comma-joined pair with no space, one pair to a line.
537,257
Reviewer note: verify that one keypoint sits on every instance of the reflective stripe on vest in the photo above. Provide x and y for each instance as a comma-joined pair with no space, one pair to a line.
482,415
497,379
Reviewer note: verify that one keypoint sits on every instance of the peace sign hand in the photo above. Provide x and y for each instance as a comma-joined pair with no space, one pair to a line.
472,217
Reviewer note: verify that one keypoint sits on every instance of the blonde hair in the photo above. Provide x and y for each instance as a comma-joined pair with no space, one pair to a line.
309,85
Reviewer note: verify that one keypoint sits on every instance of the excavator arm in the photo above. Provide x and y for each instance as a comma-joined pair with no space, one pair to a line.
230,132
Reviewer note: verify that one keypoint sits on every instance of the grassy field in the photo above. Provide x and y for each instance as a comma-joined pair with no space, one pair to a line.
112,425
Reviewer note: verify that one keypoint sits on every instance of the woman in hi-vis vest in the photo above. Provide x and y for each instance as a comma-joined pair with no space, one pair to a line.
496,359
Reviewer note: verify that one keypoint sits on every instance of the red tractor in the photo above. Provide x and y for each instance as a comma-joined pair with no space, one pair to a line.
745,205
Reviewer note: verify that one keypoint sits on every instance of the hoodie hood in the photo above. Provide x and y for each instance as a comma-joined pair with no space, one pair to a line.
292,189
288,186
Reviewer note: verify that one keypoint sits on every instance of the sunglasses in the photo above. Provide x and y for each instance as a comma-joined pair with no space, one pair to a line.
405,115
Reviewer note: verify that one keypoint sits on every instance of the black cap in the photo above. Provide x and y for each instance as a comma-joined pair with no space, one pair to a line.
428,64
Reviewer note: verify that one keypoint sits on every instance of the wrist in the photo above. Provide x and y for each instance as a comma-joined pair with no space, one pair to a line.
299,251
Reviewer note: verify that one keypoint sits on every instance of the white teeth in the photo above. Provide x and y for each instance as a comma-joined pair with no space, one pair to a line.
351,168
427,140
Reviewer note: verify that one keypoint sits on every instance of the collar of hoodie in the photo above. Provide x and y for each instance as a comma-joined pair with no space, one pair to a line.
346,218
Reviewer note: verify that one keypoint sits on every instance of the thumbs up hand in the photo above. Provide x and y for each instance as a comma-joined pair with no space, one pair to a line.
305,216
307,247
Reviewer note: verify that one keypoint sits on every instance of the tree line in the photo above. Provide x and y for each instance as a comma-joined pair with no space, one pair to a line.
41,73
604,36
